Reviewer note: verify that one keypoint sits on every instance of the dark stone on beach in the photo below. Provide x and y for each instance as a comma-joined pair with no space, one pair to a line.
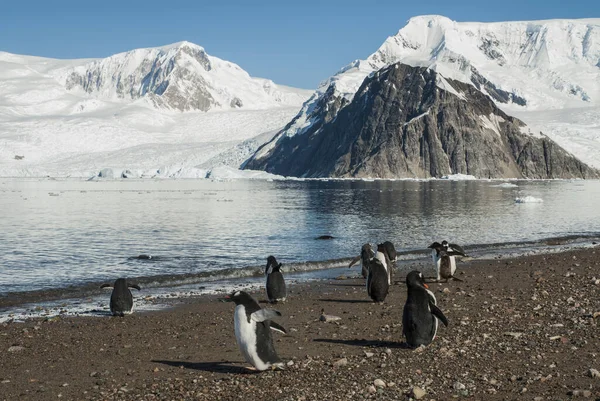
325,237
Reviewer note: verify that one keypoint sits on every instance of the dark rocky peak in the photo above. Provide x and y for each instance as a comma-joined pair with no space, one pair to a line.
411,122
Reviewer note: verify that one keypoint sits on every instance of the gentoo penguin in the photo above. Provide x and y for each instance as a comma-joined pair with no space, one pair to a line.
253,327
384,256
390,249
366,254
378,277
121,300
420,317
275,284
443,256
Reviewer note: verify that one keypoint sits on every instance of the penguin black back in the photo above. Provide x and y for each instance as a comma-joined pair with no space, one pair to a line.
275,284
121,299
377,281
366,254
419,318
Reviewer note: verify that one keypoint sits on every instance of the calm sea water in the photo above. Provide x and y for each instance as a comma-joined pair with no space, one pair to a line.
70,233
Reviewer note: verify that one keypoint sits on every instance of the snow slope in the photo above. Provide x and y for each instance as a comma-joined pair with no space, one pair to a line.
545,72
51,127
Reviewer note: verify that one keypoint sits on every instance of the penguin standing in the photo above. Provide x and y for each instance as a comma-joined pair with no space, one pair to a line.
443,256
378,283
275,283
420,316
366,254
253,327
386,253
121,300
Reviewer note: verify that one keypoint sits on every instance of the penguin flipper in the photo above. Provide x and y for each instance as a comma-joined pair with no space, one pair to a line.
437,312
264,314
353,261
277,327
456,248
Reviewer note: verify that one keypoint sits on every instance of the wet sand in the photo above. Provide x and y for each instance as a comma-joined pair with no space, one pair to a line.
523,328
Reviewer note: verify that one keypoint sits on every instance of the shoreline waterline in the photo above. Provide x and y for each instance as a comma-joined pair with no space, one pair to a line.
163,291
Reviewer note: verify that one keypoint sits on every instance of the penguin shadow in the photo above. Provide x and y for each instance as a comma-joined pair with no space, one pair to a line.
365,343
214,367
347,301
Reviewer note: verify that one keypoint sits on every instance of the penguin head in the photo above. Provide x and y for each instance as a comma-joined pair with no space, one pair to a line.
445,244
415,279
121,284
272,265
367,253
240,298
436,245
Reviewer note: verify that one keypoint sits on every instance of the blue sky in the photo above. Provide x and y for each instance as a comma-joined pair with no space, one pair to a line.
295,43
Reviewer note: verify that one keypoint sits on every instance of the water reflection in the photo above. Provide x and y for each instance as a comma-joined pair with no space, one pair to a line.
89,231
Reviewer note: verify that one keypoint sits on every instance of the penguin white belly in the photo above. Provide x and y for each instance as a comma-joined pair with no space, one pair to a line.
452,265
381,257
245,334
435,320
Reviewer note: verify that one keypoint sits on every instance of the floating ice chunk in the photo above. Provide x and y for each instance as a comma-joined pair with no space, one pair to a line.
506,185
459,177
228,173
528,199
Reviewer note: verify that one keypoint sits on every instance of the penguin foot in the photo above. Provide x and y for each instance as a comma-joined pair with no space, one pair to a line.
457,279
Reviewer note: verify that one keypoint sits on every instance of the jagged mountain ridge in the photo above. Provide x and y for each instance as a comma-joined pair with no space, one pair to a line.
524,65
411,122
180,77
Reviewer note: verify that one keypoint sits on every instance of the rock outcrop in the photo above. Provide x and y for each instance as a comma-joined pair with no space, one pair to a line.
411,122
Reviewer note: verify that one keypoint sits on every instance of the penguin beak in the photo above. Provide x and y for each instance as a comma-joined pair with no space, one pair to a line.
425,285
227,298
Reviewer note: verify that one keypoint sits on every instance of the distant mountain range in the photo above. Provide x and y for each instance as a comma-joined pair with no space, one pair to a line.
161,111
176,111
524,67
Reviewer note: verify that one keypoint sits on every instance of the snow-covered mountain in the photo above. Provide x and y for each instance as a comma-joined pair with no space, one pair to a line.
181,76
535,70
75,117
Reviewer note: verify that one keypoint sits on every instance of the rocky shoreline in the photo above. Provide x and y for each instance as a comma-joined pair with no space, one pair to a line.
522,328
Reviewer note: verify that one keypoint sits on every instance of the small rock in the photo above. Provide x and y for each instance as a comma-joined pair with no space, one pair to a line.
369,354
418,393
379,383
419,349
458,386
594,373
290,363
371,389
329,318
16,348
446,290
341,362
93,374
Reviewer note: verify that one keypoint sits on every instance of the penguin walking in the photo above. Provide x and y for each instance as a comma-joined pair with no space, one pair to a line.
253,327
421,314
443,256
121,300
275,284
